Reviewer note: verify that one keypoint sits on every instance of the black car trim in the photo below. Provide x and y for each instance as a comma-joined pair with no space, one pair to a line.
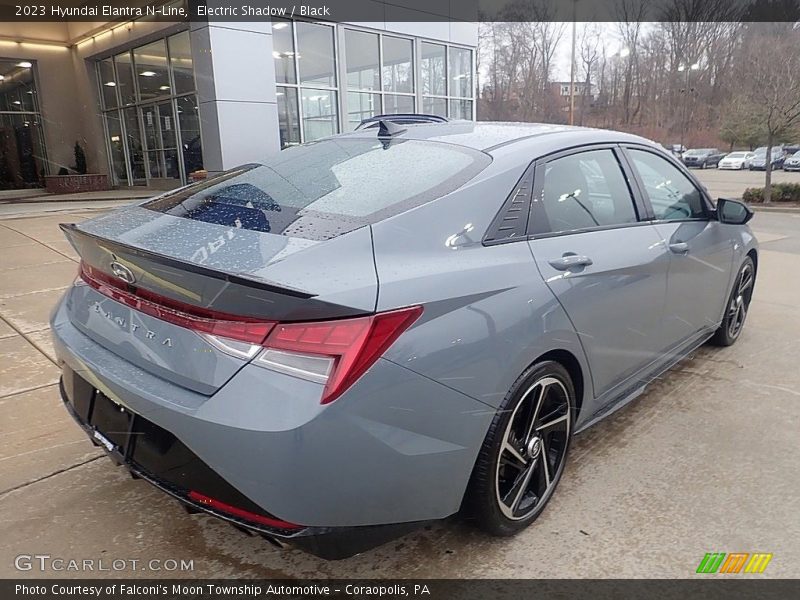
331,543
511,221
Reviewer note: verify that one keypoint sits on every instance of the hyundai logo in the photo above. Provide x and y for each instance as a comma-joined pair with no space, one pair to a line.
123,272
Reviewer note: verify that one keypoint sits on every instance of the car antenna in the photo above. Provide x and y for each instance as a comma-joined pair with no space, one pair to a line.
387,130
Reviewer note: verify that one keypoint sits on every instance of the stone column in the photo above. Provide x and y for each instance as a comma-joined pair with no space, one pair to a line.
235,78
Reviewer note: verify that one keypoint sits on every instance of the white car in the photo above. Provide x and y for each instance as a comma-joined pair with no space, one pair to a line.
736,160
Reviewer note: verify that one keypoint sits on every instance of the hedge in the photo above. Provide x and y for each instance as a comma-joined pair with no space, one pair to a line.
781,192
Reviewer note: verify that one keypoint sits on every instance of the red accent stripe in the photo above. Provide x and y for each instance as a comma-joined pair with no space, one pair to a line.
245,329
239,512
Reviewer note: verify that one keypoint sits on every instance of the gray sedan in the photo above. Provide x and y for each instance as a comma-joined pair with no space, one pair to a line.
384,328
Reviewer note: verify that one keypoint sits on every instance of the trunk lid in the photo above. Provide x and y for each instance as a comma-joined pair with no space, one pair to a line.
226,272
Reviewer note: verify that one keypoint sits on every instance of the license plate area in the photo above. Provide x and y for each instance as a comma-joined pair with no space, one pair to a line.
109,424
145,447
111,420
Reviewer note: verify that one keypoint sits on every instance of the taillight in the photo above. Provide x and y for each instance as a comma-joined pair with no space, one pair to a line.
196,318
335,353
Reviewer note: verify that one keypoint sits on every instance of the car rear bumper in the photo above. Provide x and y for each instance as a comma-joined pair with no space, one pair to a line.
156,456
396,448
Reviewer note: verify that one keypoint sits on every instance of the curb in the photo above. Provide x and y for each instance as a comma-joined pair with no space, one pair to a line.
777,209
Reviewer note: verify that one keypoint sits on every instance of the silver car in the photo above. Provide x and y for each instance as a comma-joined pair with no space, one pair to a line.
792,162
384,328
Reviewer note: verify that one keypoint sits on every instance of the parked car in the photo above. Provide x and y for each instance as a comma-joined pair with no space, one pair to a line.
792,163
677,150
702,157
736,160
789,149
328,354
759,161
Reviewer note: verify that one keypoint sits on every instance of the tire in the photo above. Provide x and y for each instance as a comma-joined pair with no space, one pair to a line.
737,306
519,465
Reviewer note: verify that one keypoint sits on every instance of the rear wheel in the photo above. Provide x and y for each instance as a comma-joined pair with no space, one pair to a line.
523,456
737,306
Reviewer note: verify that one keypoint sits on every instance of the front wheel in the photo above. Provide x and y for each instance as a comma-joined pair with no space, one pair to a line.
525,450
737,306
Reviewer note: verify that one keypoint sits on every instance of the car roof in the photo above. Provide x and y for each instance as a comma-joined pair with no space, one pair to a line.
490,136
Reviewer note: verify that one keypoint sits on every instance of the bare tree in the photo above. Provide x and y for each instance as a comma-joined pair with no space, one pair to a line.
769,73
591,50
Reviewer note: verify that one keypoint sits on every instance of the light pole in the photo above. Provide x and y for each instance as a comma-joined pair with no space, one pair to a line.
687,70
572,66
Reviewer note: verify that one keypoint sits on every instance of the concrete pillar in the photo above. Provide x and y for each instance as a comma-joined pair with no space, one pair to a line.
235,78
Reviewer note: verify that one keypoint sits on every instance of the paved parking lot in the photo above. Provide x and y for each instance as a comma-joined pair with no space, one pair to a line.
731,184
705,461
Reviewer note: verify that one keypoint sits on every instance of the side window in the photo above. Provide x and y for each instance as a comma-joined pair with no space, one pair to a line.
672,196
582,191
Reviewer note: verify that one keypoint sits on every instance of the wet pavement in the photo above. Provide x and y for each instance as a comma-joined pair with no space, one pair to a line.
705,461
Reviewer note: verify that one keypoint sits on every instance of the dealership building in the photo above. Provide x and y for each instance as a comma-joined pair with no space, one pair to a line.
152,103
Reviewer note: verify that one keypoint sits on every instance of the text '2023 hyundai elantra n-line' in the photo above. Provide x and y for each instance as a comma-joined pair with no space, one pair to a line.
388,327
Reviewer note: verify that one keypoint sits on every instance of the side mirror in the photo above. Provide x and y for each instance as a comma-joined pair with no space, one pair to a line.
733,212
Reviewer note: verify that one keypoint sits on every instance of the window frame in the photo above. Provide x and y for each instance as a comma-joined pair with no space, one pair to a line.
342,88
534,174
36,114
538,190
709,210
138,104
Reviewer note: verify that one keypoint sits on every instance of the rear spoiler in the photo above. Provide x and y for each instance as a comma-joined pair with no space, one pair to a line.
204,287
81,240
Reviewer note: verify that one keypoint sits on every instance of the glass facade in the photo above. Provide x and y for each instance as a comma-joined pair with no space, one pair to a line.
23,161
150,113
331,77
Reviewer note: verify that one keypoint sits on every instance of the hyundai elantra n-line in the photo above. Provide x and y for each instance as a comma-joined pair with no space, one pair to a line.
388,327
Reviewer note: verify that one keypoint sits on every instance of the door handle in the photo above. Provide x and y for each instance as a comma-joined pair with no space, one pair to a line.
679,247
569,261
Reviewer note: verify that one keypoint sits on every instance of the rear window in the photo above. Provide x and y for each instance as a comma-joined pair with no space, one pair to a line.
323,189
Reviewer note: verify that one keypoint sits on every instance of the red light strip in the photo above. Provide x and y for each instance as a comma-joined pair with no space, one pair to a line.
179,313
239,512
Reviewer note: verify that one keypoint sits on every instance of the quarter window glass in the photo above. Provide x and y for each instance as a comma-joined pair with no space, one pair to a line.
672,195
394,104
283,51
125,78
362,60
434,106
433,69
288,117
460,72
316,56
108,83
361,106
398,70
151,70
319,113
583,191
180,57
